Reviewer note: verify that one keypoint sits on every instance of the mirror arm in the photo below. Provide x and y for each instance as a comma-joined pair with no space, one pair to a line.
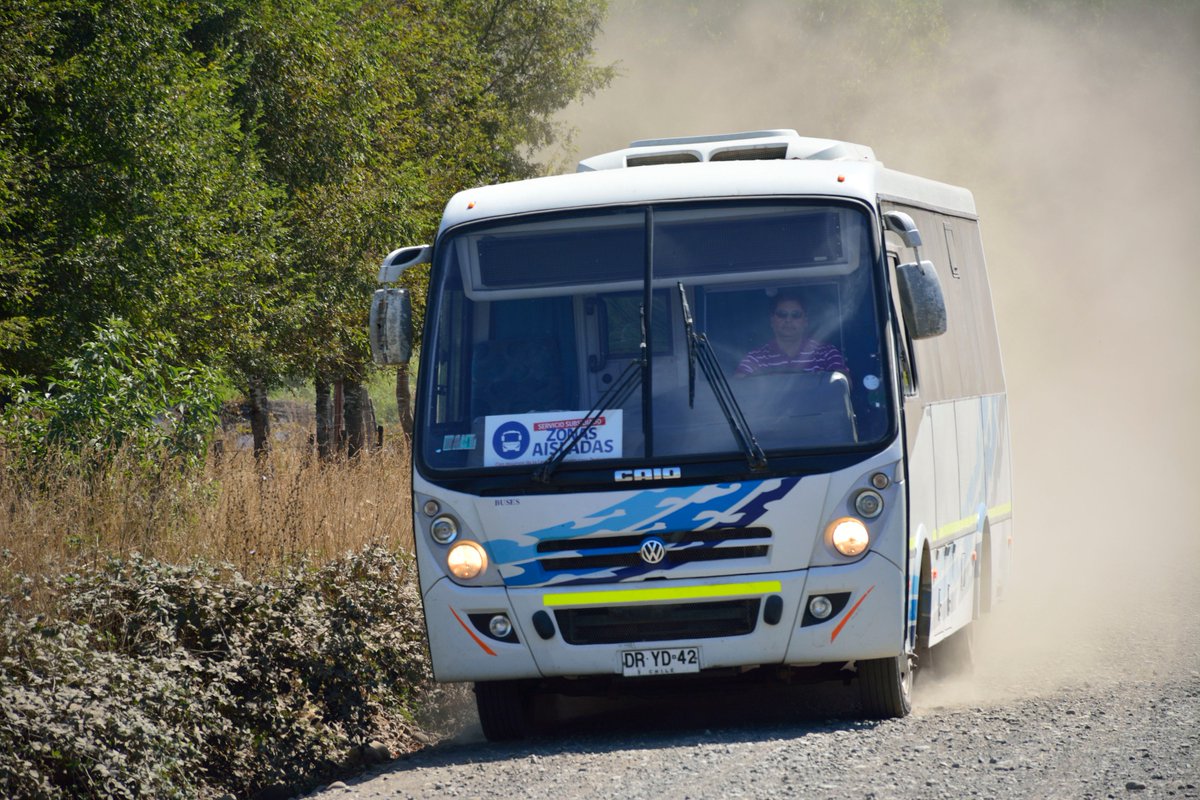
902,225
402,259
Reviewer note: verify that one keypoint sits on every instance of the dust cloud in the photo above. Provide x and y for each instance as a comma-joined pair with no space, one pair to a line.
1077,127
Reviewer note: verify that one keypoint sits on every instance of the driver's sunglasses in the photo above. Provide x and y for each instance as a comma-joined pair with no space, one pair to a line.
789,314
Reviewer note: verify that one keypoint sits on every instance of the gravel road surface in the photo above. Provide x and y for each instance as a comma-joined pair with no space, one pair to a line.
1085,691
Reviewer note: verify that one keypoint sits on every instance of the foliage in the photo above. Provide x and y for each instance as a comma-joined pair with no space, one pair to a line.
135,192
232,172
124,392
154,680
405,104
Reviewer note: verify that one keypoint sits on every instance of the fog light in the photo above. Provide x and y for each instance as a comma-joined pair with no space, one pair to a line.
466,560
868,503
500,626
848,536
444,530
820,607
431,508
880,481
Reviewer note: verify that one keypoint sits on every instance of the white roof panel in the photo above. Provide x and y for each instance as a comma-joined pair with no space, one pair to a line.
665,183
811,168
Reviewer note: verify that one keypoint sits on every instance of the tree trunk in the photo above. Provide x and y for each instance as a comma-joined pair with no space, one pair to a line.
326,446
404,400
372,430
353,409
260,417
339,415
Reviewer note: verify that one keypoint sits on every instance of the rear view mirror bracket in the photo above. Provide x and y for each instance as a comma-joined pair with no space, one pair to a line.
903,226
402,259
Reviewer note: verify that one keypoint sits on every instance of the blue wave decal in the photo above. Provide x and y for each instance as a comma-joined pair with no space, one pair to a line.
691,508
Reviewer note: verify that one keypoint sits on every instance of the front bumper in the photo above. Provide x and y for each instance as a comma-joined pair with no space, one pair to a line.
869,625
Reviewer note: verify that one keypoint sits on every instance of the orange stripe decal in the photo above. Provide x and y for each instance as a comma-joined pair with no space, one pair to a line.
849,614
479,641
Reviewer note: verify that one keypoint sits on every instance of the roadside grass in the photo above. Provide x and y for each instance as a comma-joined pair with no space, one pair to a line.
256,516
244,630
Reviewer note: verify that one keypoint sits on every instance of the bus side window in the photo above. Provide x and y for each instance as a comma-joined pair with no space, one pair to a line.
904,346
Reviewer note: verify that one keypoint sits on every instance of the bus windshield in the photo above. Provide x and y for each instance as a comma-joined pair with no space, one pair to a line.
534,319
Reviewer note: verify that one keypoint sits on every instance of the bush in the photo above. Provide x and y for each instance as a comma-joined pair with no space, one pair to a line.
127,392
155,680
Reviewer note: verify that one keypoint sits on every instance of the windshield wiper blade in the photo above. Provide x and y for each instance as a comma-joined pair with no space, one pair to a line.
689,331
699,349
614,395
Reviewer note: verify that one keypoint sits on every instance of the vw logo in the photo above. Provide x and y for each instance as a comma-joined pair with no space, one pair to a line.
653,551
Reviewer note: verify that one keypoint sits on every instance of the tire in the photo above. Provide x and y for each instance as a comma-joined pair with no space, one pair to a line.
885,686
505,709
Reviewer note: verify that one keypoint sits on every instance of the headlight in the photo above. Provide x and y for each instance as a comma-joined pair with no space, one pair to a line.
466,560
444,530
848,536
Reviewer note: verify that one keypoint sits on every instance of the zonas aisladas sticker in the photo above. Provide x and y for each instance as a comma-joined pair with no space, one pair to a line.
513,439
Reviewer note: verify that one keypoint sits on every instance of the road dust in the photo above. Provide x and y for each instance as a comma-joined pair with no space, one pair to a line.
1076,126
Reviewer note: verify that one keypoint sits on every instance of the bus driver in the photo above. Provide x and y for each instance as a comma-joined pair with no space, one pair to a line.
791,350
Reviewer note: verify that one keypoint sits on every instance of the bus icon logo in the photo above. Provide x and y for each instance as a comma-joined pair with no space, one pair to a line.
511,440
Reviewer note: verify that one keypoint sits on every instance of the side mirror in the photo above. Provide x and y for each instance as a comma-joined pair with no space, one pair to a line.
390,326
921,300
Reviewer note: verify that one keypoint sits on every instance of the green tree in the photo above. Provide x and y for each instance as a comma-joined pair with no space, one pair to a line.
140,196
230,172
370,114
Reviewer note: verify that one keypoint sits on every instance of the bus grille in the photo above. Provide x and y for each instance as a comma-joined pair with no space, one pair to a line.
657,623
683,547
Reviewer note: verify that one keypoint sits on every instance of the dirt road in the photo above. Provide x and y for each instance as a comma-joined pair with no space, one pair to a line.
1089,690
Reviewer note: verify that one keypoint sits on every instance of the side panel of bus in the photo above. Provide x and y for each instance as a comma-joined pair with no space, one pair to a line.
956,424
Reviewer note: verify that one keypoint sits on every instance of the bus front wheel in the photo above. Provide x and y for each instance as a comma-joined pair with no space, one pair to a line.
505,709
885,686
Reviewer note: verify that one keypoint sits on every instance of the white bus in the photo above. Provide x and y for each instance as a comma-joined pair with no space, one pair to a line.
704,408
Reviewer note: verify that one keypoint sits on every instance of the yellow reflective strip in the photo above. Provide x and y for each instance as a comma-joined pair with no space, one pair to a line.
660,593
946,531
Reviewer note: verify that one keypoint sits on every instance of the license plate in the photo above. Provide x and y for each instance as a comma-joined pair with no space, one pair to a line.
660,661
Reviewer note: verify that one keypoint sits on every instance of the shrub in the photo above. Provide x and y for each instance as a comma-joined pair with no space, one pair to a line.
155,680
127,391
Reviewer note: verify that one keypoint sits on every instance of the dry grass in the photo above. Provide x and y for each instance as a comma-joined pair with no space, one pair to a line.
258,517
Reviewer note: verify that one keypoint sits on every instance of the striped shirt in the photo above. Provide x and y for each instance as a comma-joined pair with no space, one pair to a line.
812,356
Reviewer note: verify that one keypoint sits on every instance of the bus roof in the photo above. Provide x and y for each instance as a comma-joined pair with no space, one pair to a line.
763,164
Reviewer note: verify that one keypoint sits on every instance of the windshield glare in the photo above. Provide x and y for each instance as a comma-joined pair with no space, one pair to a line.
535,319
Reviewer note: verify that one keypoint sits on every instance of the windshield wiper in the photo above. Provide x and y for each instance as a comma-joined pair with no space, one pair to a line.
614,396
699,349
